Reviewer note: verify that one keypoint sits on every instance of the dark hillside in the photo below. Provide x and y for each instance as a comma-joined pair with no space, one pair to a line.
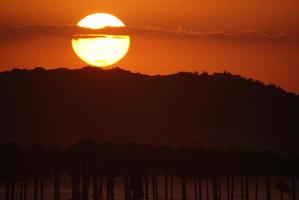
184,109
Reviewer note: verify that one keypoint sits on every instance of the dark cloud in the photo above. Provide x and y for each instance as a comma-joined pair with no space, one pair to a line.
19,33
26,32
248,35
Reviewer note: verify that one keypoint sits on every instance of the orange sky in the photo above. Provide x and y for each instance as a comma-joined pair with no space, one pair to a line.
225,15
260,54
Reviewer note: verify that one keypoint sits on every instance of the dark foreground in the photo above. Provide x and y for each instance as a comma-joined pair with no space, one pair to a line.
91,171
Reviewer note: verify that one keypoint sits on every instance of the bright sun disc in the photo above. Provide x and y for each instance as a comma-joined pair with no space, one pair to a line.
98,49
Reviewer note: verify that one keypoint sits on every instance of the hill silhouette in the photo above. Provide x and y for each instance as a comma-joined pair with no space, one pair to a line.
221,110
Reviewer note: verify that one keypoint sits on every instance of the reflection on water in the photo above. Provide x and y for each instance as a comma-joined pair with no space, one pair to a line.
206,188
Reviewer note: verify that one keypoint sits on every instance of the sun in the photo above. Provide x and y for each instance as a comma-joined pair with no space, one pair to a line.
99,49
100,20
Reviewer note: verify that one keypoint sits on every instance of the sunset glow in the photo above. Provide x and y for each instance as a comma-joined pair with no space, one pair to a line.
139,100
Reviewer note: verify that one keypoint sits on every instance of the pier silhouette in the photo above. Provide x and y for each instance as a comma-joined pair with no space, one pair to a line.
94,171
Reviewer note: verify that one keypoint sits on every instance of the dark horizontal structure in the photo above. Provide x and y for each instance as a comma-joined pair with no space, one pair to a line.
88,170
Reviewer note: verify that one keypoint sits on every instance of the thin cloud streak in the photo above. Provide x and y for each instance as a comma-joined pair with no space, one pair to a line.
32,31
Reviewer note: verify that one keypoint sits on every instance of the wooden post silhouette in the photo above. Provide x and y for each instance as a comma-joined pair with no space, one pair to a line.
21,189
146,187
294,187
281,190
107,187
171,187
166,186
227,187
56,185
219,188
25,188
232,187
41,184
73,184
256,186
76,184
246,187
127,187
184,191
268,187
110,187
12,188
95,186
154,187
35,189
84,187
101,188
87,187
73,180
199,188
214,188
85,190
7,189
242,187
195,185
207,188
